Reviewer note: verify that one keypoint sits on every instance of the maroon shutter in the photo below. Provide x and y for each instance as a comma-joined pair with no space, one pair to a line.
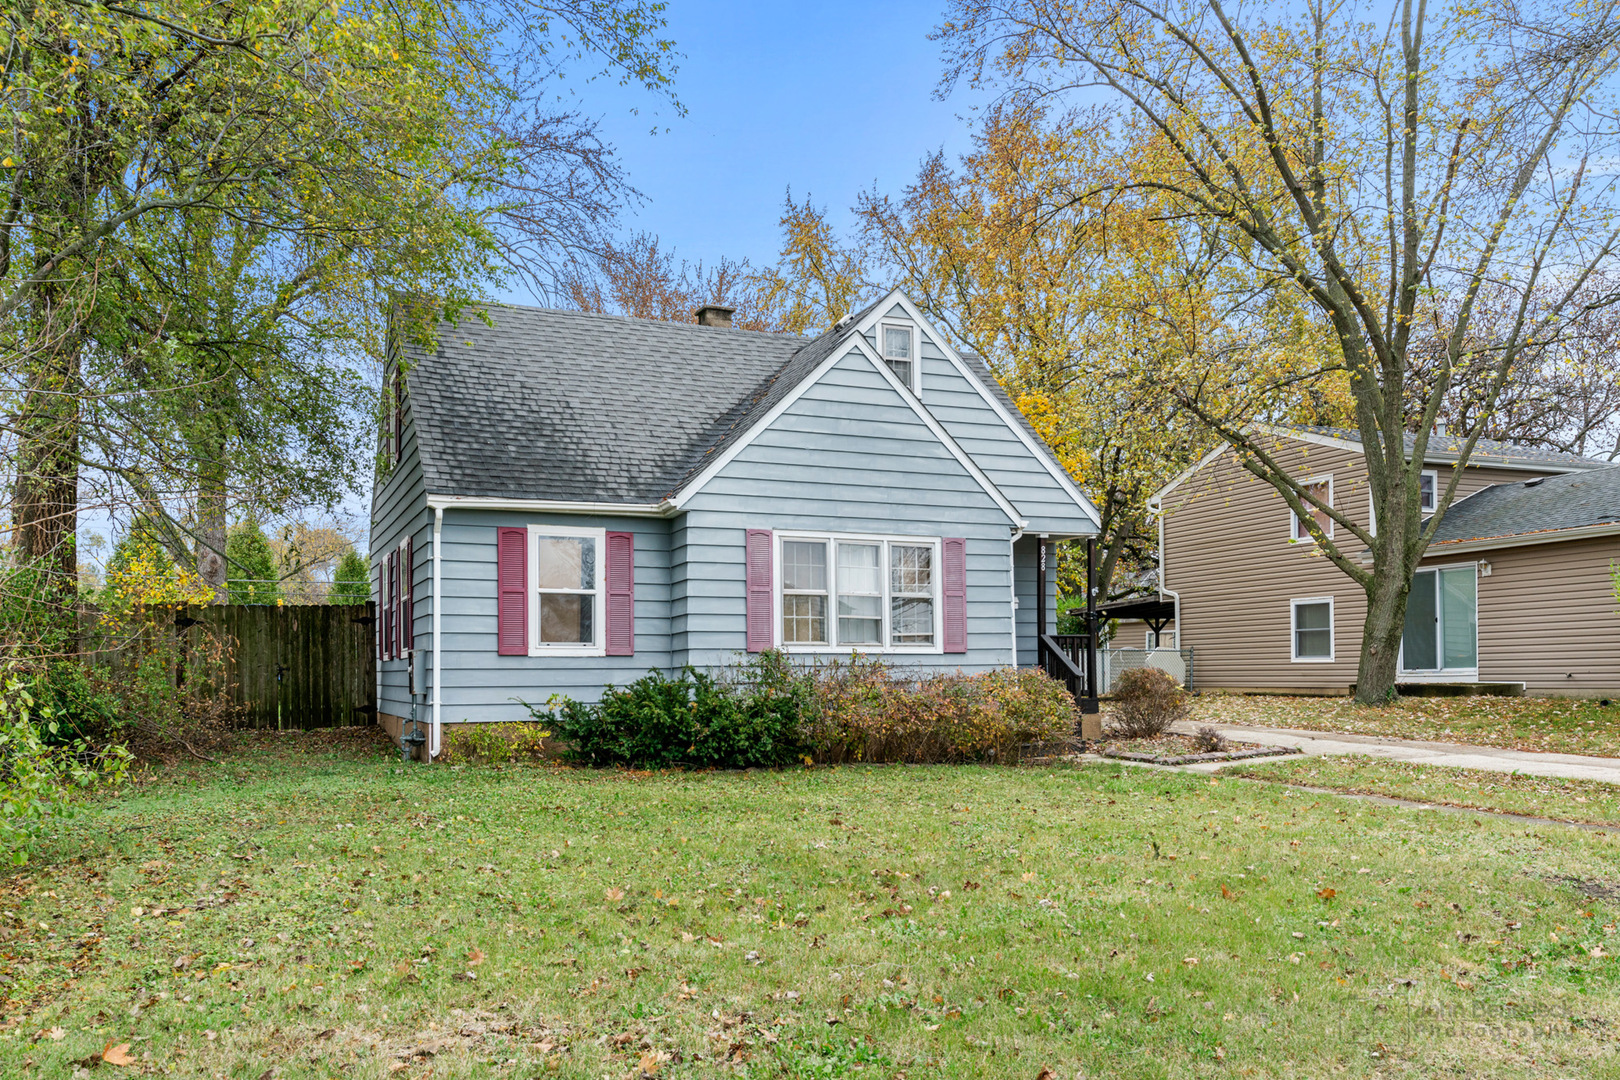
512,592
621,594
382,605
955,580
760,637
407,608
392,564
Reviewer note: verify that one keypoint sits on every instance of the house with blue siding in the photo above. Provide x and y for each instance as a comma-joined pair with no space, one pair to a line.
572,499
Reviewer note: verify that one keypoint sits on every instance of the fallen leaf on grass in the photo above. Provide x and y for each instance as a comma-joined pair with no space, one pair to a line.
117,1055
615,894
475,958
1046,1074
1228,893
1326,894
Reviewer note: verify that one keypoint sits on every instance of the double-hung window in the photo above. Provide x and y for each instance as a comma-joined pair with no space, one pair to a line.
1322,489
1313,629
864,593
804,592
900,353
566,568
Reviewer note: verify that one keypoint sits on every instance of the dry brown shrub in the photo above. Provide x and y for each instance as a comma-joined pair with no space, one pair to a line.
1146,702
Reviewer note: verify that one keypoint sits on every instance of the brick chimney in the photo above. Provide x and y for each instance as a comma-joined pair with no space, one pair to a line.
715,315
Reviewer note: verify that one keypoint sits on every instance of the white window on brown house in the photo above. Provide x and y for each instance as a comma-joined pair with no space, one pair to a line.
1322,489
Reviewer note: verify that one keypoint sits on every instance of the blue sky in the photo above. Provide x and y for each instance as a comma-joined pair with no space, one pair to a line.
827,98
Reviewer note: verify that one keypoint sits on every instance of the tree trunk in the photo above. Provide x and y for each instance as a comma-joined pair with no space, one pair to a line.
211,507
45,496
1381,639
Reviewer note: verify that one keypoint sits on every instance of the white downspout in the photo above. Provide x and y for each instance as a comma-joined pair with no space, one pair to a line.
438,606
1156,507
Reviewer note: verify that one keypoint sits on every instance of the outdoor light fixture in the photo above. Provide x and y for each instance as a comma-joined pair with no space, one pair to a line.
1484,568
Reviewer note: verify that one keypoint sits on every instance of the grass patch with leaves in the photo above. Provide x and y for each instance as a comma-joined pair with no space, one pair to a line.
311,907
1591,801
1552,725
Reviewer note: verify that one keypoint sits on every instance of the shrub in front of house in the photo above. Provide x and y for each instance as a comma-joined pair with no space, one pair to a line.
866,711
495,744
769,713
1146,702
752,718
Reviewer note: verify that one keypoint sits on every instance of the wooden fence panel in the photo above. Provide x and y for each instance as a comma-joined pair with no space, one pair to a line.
294,666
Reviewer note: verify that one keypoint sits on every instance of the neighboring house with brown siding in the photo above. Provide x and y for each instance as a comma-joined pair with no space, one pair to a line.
1515,589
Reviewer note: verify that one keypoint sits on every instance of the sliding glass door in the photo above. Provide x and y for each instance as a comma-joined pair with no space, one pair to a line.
1442,622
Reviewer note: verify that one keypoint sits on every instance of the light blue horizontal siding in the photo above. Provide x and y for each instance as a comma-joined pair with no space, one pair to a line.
399,507
481,685
996,448
849,456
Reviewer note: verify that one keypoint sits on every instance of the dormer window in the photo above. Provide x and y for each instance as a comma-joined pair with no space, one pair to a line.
900,353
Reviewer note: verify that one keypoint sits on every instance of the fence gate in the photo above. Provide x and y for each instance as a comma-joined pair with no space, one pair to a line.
299,665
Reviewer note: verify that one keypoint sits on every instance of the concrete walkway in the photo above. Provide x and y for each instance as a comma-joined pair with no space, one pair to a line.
1488,759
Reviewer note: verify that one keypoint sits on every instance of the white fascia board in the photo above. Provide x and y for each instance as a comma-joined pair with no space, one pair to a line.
549,506
1064,480
1157,498
1475,460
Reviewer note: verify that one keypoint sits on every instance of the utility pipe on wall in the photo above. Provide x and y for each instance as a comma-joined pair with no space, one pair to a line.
438,559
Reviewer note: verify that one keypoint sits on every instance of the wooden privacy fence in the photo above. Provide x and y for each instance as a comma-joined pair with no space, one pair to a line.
292,666
300,665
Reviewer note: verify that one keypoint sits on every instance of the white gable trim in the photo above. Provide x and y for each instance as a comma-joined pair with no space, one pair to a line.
858,344
1158,496
1058,473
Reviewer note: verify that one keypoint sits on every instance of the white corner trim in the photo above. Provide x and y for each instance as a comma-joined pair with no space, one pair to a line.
1058,473
438,606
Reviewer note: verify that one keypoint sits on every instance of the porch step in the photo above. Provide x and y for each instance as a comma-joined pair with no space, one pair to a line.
1456,689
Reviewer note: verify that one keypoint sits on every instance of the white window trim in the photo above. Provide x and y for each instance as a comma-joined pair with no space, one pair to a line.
598,609
1429,509
886,540
1293,630
1293,518
1443,674
916,351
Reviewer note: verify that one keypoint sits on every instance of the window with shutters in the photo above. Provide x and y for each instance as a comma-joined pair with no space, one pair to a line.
567,588
858,593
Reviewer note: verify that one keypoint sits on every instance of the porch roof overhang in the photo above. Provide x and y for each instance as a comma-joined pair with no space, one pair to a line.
1154,610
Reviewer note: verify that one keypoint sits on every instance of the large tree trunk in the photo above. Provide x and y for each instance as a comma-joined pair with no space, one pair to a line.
211,508
1381,639
45,495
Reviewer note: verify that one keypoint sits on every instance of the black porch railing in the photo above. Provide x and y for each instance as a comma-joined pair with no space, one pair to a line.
1070,659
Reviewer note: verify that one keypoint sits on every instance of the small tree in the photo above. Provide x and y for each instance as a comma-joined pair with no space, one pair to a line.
351,582
252,576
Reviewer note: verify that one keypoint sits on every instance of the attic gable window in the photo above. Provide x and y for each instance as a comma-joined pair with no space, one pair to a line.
900,353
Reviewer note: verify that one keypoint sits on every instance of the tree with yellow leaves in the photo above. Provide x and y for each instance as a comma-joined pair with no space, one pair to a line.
1382,178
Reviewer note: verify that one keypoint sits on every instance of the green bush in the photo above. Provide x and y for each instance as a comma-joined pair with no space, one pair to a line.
767,713
495,744
751,718
38,780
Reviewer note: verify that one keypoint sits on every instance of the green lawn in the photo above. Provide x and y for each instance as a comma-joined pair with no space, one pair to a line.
1559,725
312,908
1515,793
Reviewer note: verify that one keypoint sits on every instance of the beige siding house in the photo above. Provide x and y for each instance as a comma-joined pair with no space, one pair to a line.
1515,589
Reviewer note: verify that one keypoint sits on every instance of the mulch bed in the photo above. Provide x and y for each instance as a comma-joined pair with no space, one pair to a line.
1184,750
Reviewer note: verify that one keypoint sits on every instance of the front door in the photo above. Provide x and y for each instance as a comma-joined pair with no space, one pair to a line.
1442,620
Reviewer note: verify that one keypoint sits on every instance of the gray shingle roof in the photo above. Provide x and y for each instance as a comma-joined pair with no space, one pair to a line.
1570,501
571,406
1486,452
